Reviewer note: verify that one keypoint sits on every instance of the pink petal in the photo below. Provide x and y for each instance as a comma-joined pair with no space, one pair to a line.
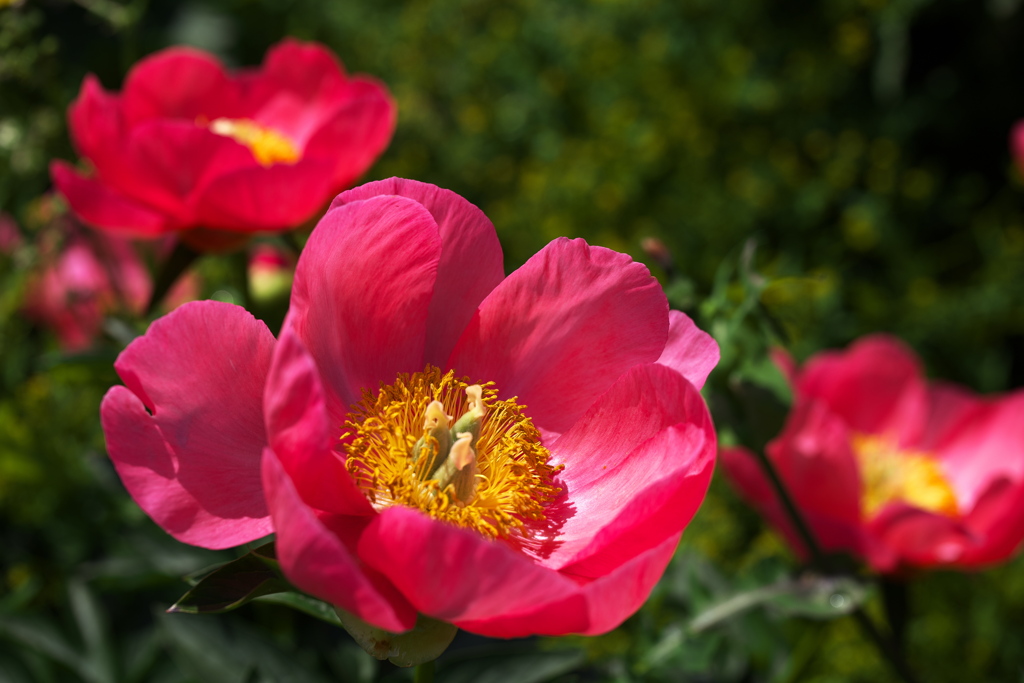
833,531
997,521
171,161
308,69
300,433
356,133
361,294
605,602
561,329
917,538
471,259
97,128
186,432
278,197
637,465
182,83
984,442
457,575
785,363
315,555
814,457
103,207
875,386
689,350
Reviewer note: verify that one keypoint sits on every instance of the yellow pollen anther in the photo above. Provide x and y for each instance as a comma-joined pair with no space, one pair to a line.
890,475
268,146
487,472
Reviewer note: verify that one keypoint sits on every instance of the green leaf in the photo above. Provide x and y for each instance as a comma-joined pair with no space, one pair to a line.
819,597
231,585
304,603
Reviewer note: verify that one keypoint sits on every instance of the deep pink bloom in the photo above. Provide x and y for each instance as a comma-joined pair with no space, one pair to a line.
187,145
243,433
85,276
885,465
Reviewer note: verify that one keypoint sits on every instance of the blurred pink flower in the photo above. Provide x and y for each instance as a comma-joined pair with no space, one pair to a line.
85,276
545,490
891,468
187,145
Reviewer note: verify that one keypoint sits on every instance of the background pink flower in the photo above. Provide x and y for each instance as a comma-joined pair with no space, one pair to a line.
187,145
224,434
889,467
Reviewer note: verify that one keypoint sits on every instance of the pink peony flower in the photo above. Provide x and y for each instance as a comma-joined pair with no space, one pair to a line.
84,276
187,145
514,455
890,468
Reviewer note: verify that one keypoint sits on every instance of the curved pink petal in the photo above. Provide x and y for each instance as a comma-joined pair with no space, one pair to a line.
171,161
186,432
97,128
997,520
606,602
100,206
915,537
300,434
750,481
561,329
308,69
689,350
875,386
182,83
471,258
984,445
256,198
361,292
814,458
356,133
785,363
637,465
316,554
457,575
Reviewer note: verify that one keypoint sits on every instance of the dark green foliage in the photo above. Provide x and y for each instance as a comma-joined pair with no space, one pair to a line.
818,169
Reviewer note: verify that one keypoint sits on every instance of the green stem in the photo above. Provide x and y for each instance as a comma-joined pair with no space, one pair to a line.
802,528
177,263
425,672
886,645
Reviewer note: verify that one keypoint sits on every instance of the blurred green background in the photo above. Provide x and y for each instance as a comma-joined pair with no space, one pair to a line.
818,169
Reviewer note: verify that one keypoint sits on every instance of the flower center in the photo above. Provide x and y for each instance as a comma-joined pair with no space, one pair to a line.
485,470
268,146
891,475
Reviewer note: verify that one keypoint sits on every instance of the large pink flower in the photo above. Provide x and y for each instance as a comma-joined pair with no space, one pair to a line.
187,145
898,471
579,446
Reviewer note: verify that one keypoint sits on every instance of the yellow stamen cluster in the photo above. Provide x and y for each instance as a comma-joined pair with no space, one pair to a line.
268,146
391,453
890,475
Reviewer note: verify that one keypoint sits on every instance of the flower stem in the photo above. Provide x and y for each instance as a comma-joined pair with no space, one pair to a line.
177,263
802,528
425,672
886,645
